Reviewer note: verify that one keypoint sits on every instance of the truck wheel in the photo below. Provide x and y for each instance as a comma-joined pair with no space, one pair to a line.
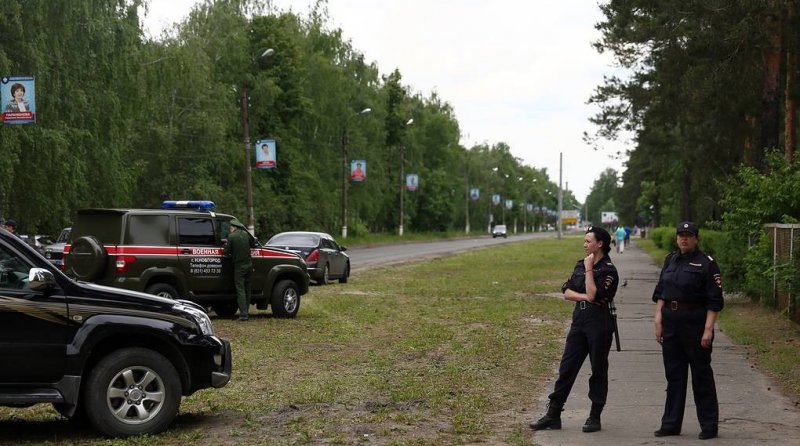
285,299
163,290
87,258
346,275
132,391
225,310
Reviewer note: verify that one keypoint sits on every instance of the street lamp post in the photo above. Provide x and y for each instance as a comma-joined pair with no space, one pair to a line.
248,167
344,172
402,183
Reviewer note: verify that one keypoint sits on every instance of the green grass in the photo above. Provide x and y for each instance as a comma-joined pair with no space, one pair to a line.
451,351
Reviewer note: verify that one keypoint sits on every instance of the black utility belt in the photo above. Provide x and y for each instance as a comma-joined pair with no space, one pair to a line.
676,305
582,305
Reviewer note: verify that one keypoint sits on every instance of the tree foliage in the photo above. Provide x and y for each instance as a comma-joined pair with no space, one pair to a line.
127,120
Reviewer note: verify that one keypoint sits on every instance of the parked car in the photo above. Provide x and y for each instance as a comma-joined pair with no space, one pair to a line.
324,257
37,242
178,252
119,358
55,252
499,231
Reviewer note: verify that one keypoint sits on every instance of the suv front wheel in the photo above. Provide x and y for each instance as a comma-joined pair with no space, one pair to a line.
132,391
163,290
285,299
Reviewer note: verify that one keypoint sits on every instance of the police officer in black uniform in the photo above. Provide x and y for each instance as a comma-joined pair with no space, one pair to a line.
688,299
592,287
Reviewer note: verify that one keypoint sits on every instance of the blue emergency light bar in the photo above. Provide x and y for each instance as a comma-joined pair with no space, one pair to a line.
202,205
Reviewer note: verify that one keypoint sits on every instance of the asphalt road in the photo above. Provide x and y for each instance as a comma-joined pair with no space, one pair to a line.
368,257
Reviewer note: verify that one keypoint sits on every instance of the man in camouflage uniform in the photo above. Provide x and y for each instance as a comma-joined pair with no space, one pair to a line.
238,248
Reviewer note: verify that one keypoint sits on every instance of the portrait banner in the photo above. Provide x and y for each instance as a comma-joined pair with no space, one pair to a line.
509,204
358,171
266,158
496,199
18,98
412,182
474,194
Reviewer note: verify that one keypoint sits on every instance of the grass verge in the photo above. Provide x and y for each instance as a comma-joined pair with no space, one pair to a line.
450,351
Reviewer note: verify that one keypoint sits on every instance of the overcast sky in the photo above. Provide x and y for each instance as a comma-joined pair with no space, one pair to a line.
515,71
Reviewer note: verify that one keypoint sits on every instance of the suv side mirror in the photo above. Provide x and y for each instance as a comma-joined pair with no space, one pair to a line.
40,279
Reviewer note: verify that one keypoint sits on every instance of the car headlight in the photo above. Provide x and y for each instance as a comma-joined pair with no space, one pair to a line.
200,317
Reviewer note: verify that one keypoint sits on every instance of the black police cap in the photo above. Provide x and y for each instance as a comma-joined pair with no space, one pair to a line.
688,226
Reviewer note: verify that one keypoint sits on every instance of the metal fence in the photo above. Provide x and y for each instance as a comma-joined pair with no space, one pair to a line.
785,244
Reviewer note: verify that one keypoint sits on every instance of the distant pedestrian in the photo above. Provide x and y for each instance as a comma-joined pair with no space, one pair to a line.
238,248
620,235
11,226
688,299
592,287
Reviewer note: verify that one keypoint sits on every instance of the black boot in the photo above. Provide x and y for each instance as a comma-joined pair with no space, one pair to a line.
551,420
593,422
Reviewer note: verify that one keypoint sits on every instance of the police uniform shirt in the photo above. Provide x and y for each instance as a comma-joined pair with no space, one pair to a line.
605,276
693,277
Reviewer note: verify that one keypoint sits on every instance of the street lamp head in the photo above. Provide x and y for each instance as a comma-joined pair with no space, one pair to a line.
366,110
267,52
410,121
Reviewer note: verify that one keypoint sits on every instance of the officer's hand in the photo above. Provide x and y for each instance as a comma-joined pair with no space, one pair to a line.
659,332
588,262
708,338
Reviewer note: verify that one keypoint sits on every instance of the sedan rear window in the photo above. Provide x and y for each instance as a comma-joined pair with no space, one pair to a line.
295,240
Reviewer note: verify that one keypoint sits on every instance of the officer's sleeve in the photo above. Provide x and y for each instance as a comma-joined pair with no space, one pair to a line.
570,283
660,286
606,283
714,287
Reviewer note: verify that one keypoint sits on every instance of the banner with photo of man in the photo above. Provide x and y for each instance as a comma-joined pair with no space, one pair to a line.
496,199
509,204
18,97
265,154
412,182
474,194
358,170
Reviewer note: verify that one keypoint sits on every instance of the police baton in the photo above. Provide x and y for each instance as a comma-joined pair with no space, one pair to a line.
613,309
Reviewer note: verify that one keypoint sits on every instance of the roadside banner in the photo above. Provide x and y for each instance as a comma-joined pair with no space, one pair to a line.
474,194
265,154
18,98
412,182
509,204
358,171
496,199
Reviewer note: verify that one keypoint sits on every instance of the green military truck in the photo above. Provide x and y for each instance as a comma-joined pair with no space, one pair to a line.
177,252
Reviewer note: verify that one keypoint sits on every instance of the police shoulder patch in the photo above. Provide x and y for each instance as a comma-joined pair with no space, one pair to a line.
710,258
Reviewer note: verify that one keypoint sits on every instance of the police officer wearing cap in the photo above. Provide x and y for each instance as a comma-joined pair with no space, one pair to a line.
592,287
688,299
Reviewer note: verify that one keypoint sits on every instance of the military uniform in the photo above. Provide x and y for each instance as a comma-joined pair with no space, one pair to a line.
590,333
238,248
690,285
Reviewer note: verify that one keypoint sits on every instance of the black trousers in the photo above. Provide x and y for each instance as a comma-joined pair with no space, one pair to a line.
681,349
590,334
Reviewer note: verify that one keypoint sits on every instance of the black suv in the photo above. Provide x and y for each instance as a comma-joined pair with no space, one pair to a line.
177,252
119,358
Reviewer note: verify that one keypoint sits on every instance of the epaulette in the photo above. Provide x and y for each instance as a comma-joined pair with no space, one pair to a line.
710,258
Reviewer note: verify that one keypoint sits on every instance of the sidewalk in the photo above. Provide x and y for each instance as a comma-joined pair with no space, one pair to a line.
751,411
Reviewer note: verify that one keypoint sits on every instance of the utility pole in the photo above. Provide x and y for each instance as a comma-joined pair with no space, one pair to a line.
560,192
248,168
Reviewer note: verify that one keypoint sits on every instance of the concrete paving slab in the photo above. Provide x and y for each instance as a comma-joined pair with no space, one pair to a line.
751,410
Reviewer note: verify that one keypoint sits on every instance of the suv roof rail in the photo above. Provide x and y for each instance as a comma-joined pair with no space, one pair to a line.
200,205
